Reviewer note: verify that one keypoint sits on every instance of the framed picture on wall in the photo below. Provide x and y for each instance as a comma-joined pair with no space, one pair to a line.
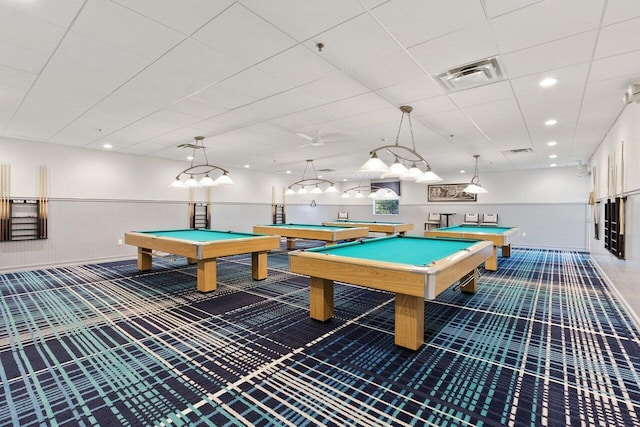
450,193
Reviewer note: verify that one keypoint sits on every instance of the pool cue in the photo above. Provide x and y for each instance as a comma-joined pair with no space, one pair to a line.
621,229
4,202
595,204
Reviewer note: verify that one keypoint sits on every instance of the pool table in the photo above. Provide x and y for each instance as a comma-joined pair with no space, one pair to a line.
414,268
389,228
499,236
328,234
203,246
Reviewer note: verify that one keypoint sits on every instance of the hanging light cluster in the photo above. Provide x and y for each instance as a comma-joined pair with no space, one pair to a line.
302,186
200,171
401,155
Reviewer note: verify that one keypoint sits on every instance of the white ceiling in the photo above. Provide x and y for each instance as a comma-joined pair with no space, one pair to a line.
149,75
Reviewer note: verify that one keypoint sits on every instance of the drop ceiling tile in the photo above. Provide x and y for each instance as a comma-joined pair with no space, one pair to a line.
175,117
355,42
28,32
334,88
185,17
544,21
298,66
257,41
203,61
387,70
302,20
570,78
243,88
502,122
483,94
618,11
455,49
416,21
41,117
60,12
615,66
125,29
501,7
409,91
15,78
618,38
550,56
196,108
162,85
22,59
433,105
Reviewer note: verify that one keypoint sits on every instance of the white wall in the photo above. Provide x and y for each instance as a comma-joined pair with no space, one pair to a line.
612,180
96,196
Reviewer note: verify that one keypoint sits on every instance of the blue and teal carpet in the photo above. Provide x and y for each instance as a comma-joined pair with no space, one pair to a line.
544,342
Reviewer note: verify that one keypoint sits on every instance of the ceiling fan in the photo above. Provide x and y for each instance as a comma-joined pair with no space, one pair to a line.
316,140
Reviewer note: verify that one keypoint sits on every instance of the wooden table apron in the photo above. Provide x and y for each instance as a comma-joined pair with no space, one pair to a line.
329,235
502,240
411,284
375,227
205,253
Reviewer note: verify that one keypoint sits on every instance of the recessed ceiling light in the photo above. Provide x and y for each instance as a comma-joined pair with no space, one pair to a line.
247,166
462,171
553,156
551,143
344,179
550,122
288,172
553,165
320,176
107,146
548,82
189,157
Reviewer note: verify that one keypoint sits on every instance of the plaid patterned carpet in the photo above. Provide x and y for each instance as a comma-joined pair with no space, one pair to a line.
543,342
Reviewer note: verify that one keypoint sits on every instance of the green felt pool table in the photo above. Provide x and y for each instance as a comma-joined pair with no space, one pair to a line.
389,228
203,246
499,236
330,235
414,268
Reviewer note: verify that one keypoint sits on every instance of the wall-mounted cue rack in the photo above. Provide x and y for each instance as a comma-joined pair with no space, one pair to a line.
22,219
614,226
199,215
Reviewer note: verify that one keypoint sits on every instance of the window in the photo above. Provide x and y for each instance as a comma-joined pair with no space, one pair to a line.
386,207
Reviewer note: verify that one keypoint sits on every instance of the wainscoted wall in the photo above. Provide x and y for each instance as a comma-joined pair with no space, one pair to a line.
83,231
548,225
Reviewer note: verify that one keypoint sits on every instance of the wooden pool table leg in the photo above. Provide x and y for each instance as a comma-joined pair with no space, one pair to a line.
207,275
321,299
291,243
409,330
491,264
259,265
144,259
506,251
472,282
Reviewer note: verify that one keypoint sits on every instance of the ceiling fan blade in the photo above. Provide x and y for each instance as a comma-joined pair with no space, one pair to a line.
305,145
305,136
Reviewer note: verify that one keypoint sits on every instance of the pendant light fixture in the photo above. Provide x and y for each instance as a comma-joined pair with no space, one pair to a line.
400,155
474,186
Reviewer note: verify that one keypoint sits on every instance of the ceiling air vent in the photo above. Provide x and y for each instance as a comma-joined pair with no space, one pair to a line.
478,73
519,151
